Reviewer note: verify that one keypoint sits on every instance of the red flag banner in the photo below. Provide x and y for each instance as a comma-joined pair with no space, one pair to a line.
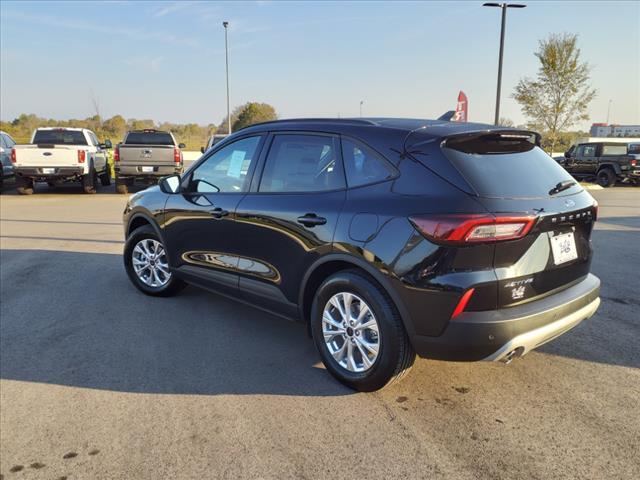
462,108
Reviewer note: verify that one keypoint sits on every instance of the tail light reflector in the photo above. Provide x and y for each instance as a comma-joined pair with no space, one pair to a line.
462,304
13,155
177,155
474,228
633,162
116,154
82,155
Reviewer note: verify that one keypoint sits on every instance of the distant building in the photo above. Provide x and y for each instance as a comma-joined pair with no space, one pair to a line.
606,130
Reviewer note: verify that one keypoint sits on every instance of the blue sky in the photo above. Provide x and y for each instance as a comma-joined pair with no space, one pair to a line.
165,60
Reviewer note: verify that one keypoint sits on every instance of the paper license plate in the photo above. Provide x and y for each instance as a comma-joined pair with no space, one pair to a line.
48,170
147,169
563,248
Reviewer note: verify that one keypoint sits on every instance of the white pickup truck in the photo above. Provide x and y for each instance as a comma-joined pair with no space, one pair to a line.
61,155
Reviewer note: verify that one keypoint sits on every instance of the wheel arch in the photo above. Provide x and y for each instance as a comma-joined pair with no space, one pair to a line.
609,165
332,263
140,219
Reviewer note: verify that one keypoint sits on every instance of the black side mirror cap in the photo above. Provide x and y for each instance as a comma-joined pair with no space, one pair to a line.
170,184
107,144
201,149
181,145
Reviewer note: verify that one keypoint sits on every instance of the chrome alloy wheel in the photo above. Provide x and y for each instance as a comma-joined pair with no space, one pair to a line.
150,263
351,332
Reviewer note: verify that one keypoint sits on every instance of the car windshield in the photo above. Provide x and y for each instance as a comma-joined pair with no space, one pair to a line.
149,138
60,137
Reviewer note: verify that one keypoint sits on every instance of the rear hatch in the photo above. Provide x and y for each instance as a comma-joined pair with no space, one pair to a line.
149,148
512,177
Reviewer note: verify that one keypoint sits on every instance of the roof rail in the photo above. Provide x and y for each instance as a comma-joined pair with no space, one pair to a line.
347,121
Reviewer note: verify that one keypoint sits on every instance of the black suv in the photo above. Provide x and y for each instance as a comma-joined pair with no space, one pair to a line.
390,237
607,162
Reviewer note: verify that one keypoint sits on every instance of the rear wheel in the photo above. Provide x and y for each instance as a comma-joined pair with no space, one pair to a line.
606,178
122,186
358,332
90,181
147,265
24,186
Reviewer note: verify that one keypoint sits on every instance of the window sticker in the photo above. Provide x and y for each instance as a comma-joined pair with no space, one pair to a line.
235,164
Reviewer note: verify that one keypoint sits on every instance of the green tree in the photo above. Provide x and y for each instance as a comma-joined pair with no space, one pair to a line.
253,112
558,97
114,128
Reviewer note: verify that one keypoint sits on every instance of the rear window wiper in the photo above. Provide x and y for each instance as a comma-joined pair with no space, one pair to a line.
562,186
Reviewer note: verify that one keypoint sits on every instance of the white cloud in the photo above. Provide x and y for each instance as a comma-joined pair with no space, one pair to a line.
146,63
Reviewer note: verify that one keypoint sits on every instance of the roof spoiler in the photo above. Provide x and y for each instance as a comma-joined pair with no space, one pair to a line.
447,116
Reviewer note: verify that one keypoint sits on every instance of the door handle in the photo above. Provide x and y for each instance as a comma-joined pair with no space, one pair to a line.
311,220
219,212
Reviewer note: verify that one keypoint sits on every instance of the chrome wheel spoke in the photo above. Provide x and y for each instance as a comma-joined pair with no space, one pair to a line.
350,332
150,264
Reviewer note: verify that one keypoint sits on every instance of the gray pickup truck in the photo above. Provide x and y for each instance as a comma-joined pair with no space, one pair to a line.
146,156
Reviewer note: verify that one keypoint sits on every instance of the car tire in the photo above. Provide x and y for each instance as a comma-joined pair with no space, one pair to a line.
24,186
138,244
606,178
89,181
121,186
394,354
105,177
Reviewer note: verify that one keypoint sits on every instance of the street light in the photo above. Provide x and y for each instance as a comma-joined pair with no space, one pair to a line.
504,7
361,102
226,54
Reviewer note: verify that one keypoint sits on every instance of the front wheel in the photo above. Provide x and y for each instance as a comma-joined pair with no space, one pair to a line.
147,265
358,332
105,177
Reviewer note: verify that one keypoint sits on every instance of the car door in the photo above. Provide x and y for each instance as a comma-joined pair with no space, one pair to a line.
288,219
588,162
100,157
200,230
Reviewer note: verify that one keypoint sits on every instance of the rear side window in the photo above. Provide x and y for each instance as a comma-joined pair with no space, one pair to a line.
302,163
515,171
149,138
614,149
362,165
59,137
587,151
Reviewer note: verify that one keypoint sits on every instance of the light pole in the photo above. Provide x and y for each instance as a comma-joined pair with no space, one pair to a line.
504,7
361,102
226,56
609,110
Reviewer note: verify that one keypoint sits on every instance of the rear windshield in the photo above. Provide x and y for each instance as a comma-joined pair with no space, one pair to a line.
529,173
148,138
59,137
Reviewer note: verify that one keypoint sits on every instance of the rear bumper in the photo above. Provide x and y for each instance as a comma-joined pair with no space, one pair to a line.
136,171
501,334
38,173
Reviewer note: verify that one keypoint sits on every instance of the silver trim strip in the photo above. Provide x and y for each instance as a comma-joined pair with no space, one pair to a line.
534,338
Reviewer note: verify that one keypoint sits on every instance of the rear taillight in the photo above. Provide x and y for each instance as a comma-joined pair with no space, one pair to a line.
177,155
82,155
116,154
475,228
633,162
13,155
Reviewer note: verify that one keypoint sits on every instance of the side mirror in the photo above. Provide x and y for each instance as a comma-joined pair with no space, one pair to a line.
567,154
107,144
170,184
182,145
201,149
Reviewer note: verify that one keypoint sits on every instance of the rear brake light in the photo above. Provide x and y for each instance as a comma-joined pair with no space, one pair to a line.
475,228
116,154
81,156
462,304
177,155
633,162
13,155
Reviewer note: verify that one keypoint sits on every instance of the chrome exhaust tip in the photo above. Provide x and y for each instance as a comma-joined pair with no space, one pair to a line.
515,353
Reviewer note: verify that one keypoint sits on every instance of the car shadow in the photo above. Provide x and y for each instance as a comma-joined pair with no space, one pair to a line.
74,319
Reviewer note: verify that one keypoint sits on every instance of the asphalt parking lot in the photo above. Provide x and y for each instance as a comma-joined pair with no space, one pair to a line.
99,381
